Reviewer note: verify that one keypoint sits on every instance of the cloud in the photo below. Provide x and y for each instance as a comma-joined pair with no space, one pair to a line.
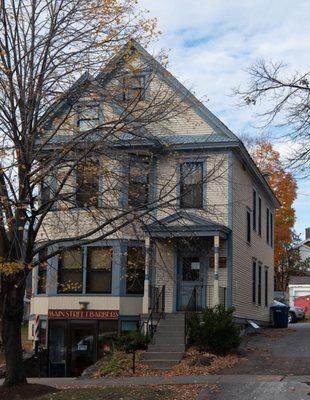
212,42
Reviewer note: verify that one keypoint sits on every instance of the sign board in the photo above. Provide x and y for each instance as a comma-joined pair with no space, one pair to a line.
83,314
195,265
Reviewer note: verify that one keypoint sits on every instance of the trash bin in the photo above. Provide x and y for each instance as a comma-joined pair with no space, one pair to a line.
279,315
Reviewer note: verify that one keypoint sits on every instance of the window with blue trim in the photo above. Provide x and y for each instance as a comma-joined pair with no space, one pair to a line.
134,87
191,185
135,270
88,117
87,184
99,269
139,181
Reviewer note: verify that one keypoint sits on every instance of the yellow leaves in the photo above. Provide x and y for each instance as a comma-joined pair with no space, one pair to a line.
11,267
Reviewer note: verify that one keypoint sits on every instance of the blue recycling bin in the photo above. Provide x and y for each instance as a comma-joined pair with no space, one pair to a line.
279,314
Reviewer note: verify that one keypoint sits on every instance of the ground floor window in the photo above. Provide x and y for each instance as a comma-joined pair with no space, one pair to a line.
129,326
135,270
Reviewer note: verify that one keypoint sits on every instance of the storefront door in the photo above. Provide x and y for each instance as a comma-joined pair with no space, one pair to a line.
81,346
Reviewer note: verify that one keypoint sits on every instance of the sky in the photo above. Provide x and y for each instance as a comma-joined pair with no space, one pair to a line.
212,42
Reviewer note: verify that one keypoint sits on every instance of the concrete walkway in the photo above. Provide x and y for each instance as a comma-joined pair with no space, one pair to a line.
174,380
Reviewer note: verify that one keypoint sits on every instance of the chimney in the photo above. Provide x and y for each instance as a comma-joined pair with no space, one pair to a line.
307,233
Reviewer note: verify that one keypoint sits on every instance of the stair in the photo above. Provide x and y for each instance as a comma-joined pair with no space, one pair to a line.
167,347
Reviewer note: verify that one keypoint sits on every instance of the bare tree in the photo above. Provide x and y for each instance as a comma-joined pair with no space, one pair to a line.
285,100
56,151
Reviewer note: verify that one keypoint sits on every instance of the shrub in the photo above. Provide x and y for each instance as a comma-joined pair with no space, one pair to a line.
214,330
132,341
115,364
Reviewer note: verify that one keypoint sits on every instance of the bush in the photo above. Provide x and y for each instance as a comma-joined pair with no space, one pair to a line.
132,341
115,364
214,330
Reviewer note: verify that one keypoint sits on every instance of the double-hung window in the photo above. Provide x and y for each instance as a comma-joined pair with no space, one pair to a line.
139,181
70,270
135,270
87,182
268,225
248,226
254,209
259,215
266,287
191,185
259,291
99,270
254,281
134,87
88,117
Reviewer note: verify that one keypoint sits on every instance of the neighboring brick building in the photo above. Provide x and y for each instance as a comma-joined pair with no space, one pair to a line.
214,239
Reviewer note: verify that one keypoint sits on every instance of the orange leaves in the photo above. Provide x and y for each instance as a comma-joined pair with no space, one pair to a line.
285,188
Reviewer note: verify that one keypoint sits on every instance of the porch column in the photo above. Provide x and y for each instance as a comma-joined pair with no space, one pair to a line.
216,289
146,297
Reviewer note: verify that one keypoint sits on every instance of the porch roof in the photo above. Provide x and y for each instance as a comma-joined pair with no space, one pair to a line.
183,224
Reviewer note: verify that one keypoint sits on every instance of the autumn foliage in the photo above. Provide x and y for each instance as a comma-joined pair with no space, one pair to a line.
285,187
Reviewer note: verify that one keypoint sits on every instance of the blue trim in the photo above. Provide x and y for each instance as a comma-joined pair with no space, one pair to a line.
175,279
230,271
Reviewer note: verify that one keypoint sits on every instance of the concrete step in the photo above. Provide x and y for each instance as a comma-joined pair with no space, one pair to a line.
166,349
168,356
160,364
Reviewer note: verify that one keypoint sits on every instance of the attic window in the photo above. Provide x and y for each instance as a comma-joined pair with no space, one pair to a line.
133,87
88,117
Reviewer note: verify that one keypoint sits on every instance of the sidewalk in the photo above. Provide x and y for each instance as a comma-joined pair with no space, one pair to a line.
159,380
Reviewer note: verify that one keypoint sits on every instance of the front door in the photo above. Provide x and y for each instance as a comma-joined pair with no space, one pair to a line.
81,347
190,293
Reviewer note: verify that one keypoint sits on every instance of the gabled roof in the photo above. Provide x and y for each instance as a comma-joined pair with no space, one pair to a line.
183,224
222,135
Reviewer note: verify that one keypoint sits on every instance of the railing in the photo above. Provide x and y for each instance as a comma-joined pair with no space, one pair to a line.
157,311
192,306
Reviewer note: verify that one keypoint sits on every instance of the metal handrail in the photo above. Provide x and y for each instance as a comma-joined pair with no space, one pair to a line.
190,309
157,312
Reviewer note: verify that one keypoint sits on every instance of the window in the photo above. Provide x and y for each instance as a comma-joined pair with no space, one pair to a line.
99,269
88,118
129,326
254,282
135,270
42,271
87,181
268,225
271,229
248,226
266,287
139,176
45,191
259,294
254,209
260,216
190,268
191,185
70,271
133,87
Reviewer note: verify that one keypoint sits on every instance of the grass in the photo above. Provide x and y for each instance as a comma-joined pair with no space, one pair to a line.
112,393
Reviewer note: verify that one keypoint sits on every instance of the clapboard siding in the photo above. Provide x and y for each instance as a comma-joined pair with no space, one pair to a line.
243,253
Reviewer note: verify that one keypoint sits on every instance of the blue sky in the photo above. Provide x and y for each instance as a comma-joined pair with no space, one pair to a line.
212,42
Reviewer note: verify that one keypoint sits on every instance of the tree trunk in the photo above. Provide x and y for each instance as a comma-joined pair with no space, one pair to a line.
12,314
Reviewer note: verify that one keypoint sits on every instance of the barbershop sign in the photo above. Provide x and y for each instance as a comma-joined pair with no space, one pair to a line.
83,314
